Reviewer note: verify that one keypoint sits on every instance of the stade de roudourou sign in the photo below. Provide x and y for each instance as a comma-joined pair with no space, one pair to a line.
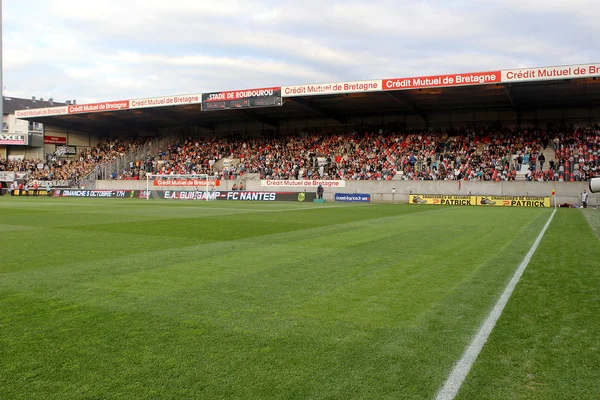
269,97
263,97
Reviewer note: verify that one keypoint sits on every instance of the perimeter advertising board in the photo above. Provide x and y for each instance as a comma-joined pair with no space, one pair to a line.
30,192
513,201
234,195
188,195
57,183
302,183
186,182
94,193
352,197
439,199
490,201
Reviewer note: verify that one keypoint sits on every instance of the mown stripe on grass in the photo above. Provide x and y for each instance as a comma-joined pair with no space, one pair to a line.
545,345
463,366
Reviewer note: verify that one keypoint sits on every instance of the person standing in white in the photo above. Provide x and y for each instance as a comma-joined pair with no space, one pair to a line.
584,197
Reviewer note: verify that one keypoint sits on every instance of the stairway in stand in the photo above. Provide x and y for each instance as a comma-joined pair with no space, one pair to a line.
548,154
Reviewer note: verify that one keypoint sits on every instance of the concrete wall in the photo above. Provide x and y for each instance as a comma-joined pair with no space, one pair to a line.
30,153
382,191
74,138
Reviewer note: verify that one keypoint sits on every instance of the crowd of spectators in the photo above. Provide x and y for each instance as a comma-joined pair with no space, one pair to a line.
577,153
458,154
462,154
73,169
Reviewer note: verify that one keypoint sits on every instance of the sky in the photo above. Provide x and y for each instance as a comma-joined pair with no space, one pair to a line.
124,49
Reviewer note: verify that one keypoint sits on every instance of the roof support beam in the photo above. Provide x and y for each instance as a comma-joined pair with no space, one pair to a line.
124,126
509,94
314,107
254,117
173,117
71,125
402,99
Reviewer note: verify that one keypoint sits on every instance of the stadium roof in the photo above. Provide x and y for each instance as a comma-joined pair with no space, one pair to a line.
573,86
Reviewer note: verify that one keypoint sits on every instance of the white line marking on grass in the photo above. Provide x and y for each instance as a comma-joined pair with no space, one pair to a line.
463,366
201,207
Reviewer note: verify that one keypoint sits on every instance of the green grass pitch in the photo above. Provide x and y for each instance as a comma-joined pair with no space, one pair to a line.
134,299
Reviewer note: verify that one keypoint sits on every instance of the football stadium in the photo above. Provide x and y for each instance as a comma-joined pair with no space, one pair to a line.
428,237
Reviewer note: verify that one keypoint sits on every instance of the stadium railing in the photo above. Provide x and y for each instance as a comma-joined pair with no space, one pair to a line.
105,170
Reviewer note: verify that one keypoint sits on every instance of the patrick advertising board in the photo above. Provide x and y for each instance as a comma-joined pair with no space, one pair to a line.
513,201
487,201
438,199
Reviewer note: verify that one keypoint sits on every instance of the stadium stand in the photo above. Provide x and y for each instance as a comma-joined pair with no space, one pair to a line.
458,154
74,169
461,154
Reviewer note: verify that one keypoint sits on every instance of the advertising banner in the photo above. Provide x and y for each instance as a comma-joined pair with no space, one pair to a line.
65,150
53,184
94,193
7,176
302,183
234,195
12,139
548,73
513,201
332,88
99,107
42,112
188,195
475,78
30,192
439,199
186,182
166,101
353,197
55,140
